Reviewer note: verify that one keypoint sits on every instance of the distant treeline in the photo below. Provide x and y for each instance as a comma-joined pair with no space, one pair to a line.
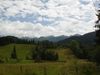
11,39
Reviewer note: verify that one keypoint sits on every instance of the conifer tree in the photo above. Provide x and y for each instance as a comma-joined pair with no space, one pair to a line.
98,28
97,54
14,54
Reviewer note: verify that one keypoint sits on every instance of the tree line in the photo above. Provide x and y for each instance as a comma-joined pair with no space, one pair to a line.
38,53
11,39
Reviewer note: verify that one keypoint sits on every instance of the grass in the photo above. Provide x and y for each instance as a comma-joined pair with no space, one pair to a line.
21,49
68,65
55,68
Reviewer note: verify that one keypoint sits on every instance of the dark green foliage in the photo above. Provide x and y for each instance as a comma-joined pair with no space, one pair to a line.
10,39
41,53
97,53
47,44
7,40
98,37
50,55
76,48
86,39
14,54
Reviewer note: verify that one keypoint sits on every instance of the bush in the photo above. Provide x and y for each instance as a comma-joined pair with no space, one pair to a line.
40,53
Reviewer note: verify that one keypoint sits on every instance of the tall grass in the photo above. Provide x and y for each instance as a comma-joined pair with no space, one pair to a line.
70,66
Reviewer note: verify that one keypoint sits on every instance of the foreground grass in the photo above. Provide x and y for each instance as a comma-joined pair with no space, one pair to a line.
72,67
68,64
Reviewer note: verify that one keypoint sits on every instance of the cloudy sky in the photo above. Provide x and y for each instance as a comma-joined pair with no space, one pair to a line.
35,18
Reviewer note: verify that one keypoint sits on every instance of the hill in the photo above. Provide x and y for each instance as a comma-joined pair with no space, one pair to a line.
86,39
53,38
4,40
8,39
49,38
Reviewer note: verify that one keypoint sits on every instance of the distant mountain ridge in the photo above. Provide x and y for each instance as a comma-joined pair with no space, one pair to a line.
86,39
12,39
49,38
52,38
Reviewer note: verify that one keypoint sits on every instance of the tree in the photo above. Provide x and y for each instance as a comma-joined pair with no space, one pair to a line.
97,54
98,29
14,54
51,55
76,48
41,53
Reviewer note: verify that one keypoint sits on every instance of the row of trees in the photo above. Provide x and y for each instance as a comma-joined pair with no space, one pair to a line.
39,53
10,39
77,49
92,52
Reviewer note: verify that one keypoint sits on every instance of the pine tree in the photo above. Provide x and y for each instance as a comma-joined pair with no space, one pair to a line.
98,28
14,54
97,54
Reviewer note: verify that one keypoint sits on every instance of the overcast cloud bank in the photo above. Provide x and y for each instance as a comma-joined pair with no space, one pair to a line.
35,18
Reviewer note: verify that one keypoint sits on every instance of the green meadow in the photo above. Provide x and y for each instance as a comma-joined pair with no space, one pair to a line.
67,64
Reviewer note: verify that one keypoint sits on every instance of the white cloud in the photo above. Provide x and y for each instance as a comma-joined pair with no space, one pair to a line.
26,29
67,17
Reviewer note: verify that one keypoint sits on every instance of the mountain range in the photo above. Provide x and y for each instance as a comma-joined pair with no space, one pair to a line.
88,38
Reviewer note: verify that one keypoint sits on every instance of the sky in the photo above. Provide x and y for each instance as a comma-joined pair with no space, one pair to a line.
36,18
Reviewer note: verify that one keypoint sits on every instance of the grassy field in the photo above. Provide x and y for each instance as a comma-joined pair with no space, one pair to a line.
22,51
68,64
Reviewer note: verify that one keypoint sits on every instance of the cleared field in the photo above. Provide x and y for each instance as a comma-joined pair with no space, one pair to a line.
68,64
